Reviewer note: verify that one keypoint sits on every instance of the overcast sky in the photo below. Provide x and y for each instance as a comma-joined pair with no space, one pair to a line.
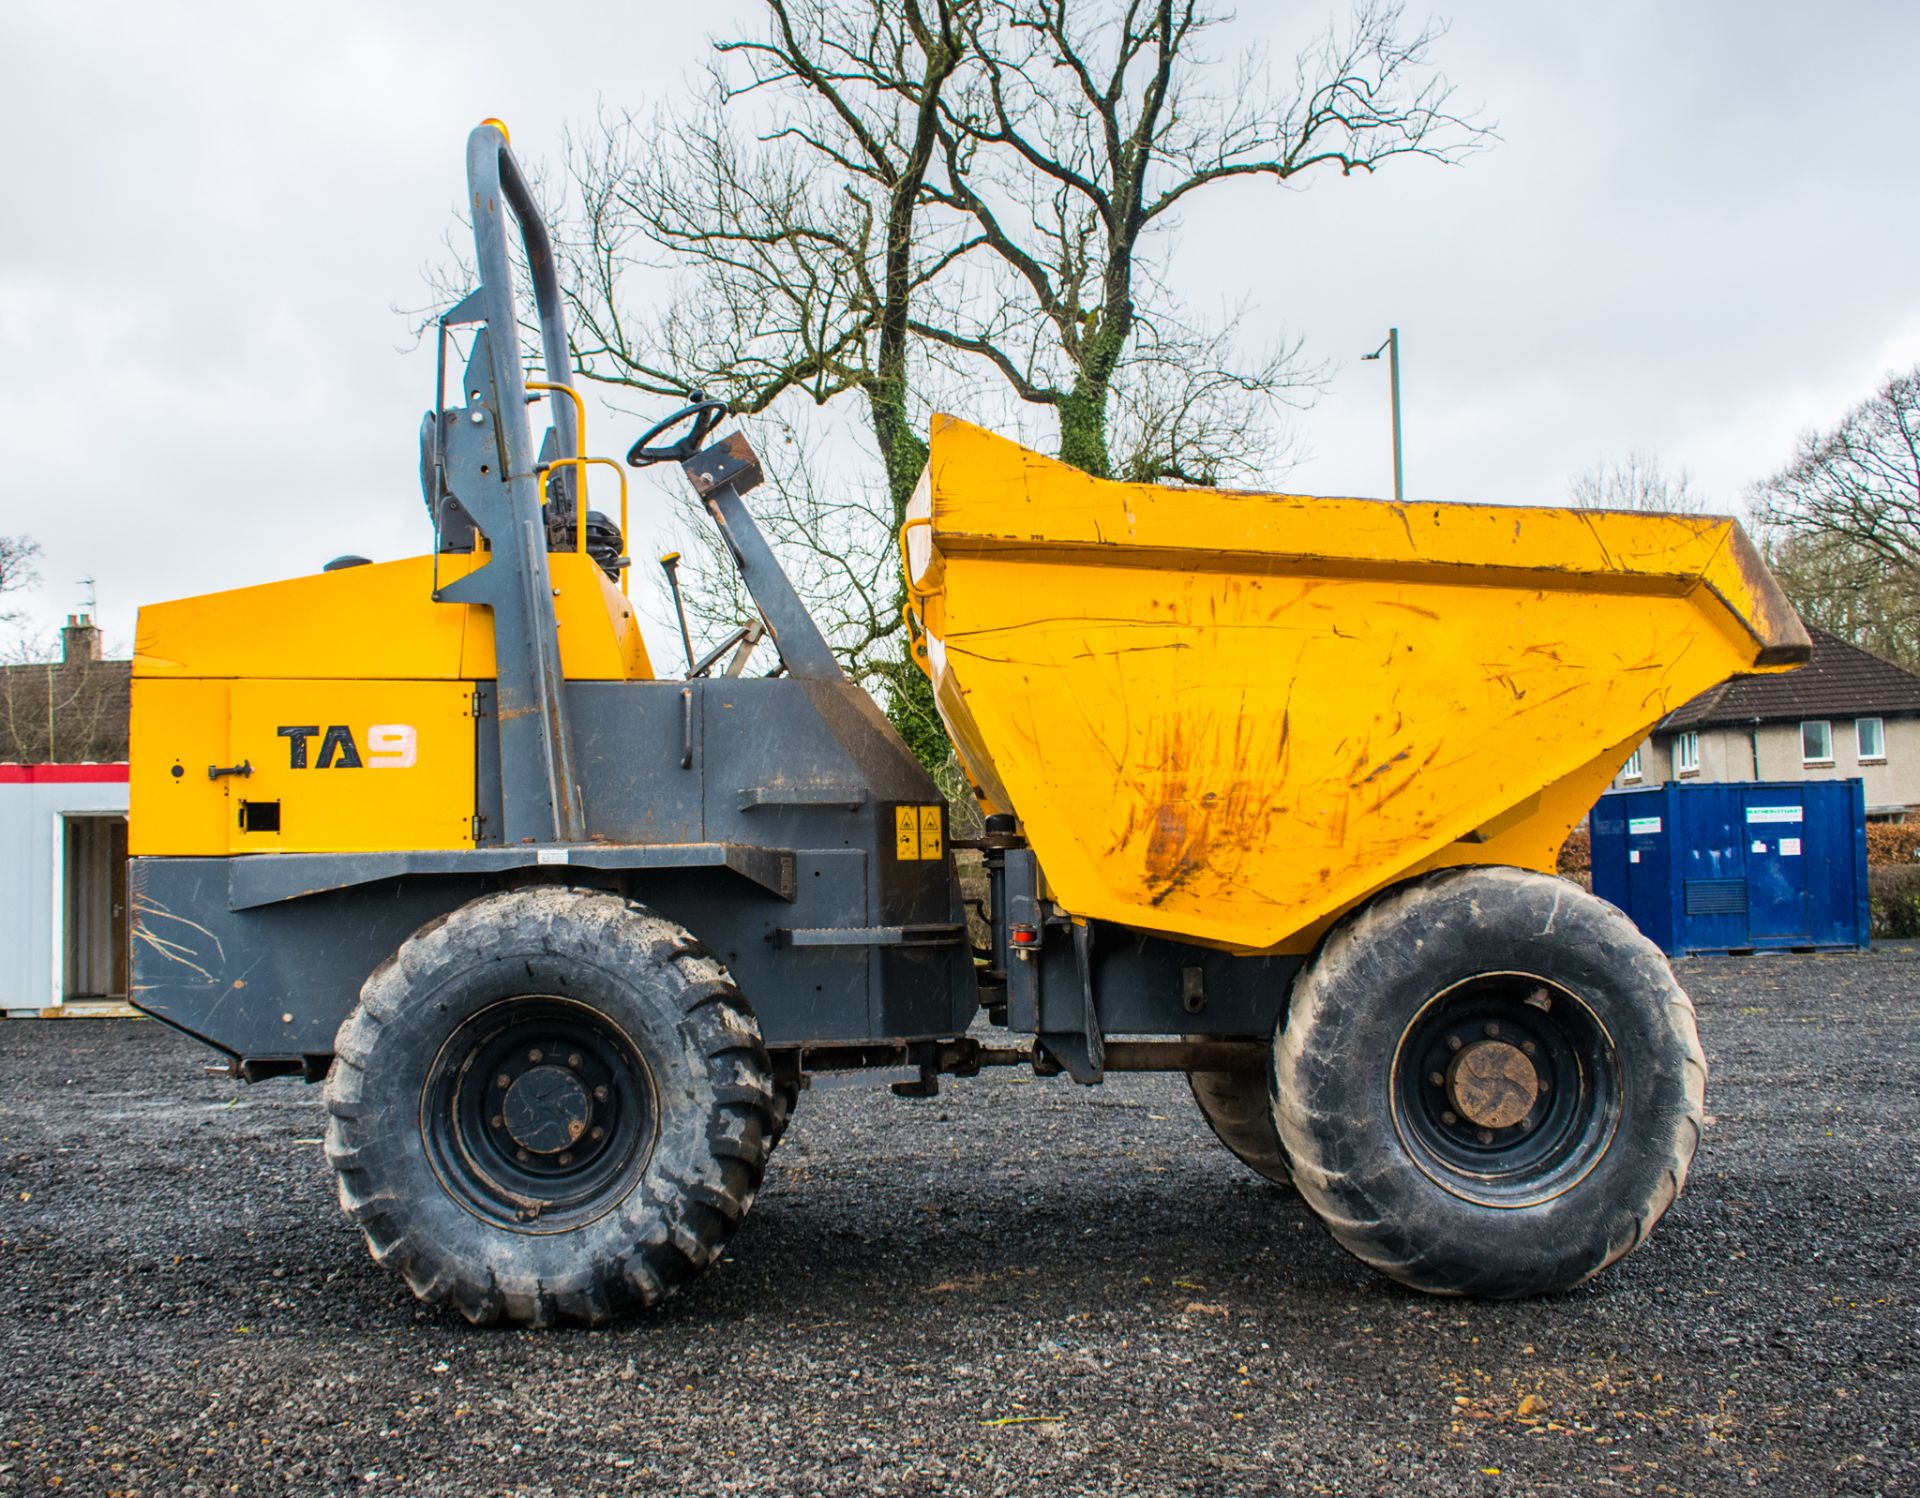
1695,238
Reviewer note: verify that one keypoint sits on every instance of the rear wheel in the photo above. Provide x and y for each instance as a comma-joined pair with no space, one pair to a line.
1490,1083
551,1104
1238,1107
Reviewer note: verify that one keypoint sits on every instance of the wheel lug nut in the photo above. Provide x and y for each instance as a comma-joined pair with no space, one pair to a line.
600,1093
1529,1047
1492,1030
574,1059
1453,1042
1438,1079
498,1121
534,1055
566,1159
596,1132
505,1080
1486,1136
521,1156
1449,1118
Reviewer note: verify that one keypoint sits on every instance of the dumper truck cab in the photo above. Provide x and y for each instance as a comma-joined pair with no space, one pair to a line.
1269,792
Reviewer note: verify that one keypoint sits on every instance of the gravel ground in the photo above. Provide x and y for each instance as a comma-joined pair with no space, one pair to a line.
1016,1287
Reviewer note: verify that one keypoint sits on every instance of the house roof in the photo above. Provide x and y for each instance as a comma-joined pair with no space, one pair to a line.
83,702
1838,681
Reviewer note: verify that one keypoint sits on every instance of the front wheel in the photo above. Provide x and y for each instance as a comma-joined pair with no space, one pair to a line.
1490,1083
552,1104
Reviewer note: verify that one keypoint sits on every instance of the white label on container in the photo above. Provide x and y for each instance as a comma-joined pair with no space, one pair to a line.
1633,855
1775,814
550,855
1789,847
1636,826
1759,847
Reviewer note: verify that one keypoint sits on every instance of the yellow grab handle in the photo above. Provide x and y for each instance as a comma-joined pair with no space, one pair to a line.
579,411
906,560
580,510
579,447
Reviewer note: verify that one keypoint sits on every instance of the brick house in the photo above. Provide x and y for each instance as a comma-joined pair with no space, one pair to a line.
1845,713
69,711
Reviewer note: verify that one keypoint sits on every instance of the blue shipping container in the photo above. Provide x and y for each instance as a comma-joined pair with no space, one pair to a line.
1736,867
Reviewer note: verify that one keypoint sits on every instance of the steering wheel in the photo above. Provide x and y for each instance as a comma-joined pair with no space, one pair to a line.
703,413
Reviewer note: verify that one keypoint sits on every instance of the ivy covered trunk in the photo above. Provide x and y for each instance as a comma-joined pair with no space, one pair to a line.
1083,408
909,694
1083,429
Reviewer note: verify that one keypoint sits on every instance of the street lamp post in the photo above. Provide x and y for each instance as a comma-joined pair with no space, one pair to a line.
1392,350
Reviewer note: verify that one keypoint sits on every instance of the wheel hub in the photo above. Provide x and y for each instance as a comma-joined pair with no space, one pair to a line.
546,1110
1506,1088
538,1113
1493,1084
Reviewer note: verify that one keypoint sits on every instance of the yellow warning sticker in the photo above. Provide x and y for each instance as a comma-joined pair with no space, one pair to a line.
917,833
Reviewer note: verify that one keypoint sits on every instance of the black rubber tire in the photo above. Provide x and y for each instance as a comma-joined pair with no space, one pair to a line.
1373,981
786,1097
691,1175
1238,1107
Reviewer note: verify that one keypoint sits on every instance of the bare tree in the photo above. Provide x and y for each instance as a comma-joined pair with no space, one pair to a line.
1636,482
1859,483
1074,136
1850,590
1842,523
1189,407
798,224
910,202
19,556
791,204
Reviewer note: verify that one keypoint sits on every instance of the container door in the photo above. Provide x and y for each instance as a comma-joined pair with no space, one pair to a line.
1776,865
94,864
1607,842
1649,875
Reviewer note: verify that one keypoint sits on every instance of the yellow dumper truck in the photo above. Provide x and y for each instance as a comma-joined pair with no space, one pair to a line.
1272,786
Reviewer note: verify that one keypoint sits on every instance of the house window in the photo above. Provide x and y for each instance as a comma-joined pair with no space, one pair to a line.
1686,754
1870,737
1816,742
1631,769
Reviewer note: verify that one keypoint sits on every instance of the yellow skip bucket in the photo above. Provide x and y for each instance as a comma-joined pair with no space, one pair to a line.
1227,717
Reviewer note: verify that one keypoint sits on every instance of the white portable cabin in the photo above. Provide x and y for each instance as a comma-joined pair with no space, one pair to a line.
63,889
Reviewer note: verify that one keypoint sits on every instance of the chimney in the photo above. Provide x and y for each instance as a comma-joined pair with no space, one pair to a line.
80,640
